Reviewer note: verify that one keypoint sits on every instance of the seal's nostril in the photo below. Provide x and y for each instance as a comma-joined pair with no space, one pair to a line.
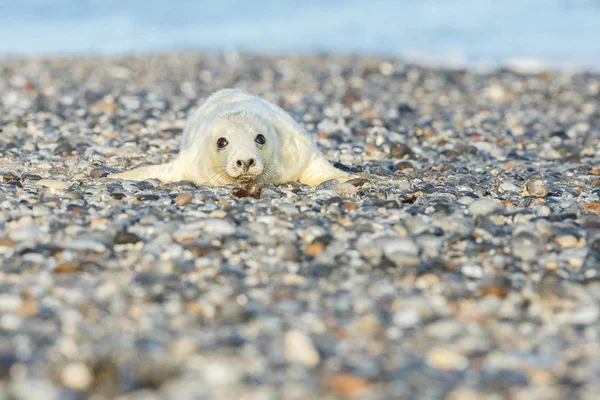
251,162
239,163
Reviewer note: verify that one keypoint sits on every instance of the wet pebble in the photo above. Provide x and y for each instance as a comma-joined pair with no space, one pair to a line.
250,190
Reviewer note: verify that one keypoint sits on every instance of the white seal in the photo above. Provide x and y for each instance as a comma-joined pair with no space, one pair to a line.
236,137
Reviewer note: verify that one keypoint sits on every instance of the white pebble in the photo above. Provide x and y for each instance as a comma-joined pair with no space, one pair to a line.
53,184
485,206
219,227
76,376
299,347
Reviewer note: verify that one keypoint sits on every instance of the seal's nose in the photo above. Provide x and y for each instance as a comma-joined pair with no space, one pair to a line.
245,164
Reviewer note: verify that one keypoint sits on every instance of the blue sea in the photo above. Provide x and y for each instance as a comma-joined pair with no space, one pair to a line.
477,33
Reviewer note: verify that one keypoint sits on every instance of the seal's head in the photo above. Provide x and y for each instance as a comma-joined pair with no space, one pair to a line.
244,148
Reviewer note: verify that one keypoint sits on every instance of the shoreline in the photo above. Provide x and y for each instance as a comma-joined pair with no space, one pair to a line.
524,65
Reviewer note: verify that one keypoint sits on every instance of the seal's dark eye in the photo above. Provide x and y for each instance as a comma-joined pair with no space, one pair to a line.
260,139
222,142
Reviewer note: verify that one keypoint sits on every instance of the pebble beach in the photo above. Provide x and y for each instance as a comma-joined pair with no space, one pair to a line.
461,262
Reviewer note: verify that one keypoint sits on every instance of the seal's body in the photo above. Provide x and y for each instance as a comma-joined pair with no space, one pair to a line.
235,137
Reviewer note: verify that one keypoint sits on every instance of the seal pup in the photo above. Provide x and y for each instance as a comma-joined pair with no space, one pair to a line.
236,138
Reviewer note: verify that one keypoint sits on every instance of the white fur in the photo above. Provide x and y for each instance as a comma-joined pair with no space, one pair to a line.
288,155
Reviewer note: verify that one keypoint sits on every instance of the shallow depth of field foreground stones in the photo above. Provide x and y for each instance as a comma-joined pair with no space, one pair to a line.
463,262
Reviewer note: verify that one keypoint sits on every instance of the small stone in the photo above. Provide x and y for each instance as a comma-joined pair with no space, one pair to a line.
472,271
566,241
346,189
287,252
28,233
101,172
147,184
330,184
183,199
125,238
404,166
446,359
406,318
249,190
463,393
536,188
29,306
399,150
76,376
10,176
194,308
103,107
349,206
348,385
594,207
67,268
218,226
33,389
298,347
314,249
494,290
543,228
74,195
219,374
29,147
358,182
83,245
53,184
294,280
484,207
9,302
31,177
148,197
64,149
509,187
341,166
232,312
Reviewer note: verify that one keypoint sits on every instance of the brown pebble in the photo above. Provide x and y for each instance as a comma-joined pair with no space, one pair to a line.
314,249
183,199
350,206
594,207
358,182
29,306
370,149
537,188
348,385
103,107
66,269
10,177
194,308
495,291
249,190
7,243
98,173
200,249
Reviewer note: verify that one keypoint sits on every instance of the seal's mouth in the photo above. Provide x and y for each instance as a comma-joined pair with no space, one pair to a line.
246,178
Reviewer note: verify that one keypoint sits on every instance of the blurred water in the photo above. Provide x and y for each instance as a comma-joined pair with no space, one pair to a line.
563,33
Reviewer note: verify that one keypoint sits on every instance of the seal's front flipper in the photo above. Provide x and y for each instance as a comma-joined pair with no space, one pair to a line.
320,170
163,172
